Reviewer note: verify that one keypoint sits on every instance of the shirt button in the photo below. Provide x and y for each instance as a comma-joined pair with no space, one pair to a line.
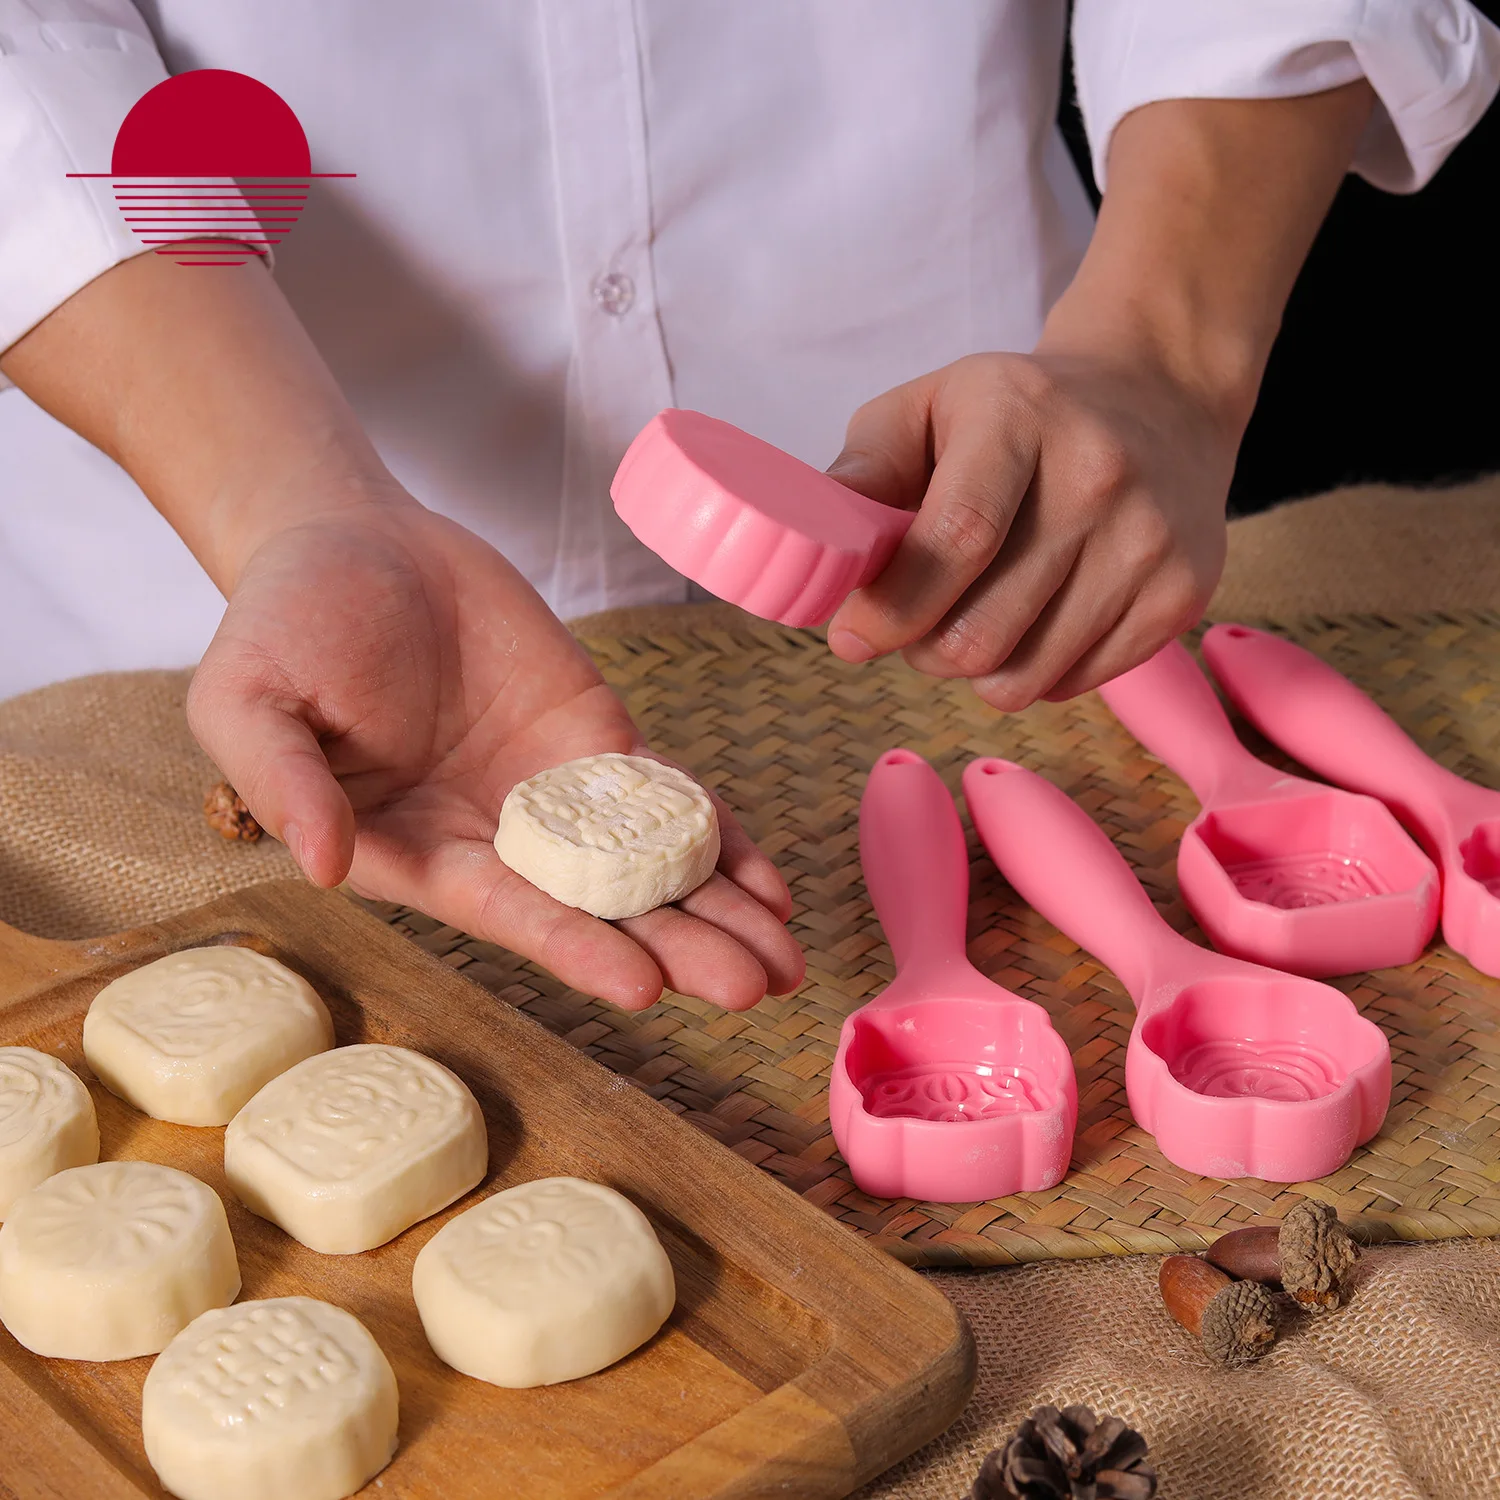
613,293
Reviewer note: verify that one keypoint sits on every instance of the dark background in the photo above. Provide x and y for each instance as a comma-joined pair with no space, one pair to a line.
1386,364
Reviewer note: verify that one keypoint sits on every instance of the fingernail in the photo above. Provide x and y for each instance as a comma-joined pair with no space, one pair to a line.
850,647
1003,695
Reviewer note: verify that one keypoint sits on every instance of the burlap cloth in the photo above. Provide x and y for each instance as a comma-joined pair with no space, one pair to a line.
1394,1397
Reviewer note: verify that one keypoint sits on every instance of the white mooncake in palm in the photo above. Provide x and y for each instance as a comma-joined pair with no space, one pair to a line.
613,835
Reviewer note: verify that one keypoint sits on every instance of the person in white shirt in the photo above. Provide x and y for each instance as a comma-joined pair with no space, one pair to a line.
571,213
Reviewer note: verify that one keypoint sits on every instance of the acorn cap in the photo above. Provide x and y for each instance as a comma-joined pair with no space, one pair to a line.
1239,1325
1317,1255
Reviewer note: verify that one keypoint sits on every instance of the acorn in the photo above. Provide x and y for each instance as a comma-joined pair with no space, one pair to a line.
1234,1320
1309,1255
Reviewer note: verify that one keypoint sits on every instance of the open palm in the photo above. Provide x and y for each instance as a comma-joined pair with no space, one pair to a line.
379,682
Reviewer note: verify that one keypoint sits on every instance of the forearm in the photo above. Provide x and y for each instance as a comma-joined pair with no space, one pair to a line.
206,389
1211,209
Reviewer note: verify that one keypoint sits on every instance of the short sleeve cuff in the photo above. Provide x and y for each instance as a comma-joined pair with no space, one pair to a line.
1434,66
64,89
63,92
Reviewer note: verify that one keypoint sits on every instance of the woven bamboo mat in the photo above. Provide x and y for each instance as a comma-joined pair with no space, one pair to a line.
787,733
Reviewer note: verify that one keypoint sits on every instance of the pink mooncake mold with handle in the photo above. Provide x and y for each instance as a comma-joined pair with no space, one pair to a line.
1237,1070
1277,869
1320,717
749,522
945,1087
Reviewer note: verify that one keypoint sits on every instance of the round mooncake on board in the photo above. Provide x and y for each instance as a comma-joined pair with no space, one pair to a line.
112,1260
283,1399
190,1037
544,1282
47,1122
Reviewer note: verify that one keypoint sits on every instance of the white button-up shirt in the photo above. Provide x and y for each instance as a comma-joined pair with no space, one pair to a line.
568,214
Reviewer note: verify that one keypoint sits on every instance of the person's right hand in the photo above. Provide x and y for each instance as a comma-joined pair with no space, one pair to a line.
1070,520
380,681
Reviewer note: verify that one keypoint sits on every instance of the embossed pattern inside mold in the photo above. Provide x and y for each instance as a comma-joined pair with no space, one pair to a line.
952,1092
1262,1070
337,1115
33,1091
1295,881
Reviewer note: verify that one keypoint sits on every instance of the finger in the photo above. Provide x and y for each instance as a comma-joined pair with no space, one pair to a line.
979,634
1138,635
273,760
886,454
462,882
697,958
743,861
1079,614
723,905
986,455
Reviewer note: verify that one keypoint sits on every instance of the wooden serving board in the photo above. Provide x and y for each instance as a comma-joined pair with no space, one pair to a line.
799,1361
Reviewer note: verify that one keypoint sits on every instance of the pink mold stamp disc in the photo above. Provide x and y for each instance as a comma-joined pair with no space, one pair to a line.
749,522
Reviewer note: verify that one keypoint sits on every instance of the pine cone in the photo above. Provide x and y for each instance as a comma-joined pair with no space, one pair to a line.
1068,1455
226,813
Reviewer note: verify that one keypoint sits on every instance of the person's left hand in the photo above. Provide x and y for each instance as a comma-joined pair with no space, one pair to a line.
1071,520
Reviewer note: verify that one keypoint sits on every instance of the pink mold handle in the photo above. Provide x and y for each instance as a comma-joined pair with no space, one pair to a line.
1277,869
1237,1070
1320,717
945,1087
749,522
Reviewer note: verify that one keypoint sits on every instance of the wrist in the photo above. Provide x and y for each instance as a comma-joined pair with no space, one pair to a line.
248,434
1211,206
249,509
1165,331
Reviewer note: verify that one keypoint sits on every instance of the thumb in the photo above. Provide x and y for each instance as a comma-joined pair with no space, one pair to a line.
272,758
887,453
